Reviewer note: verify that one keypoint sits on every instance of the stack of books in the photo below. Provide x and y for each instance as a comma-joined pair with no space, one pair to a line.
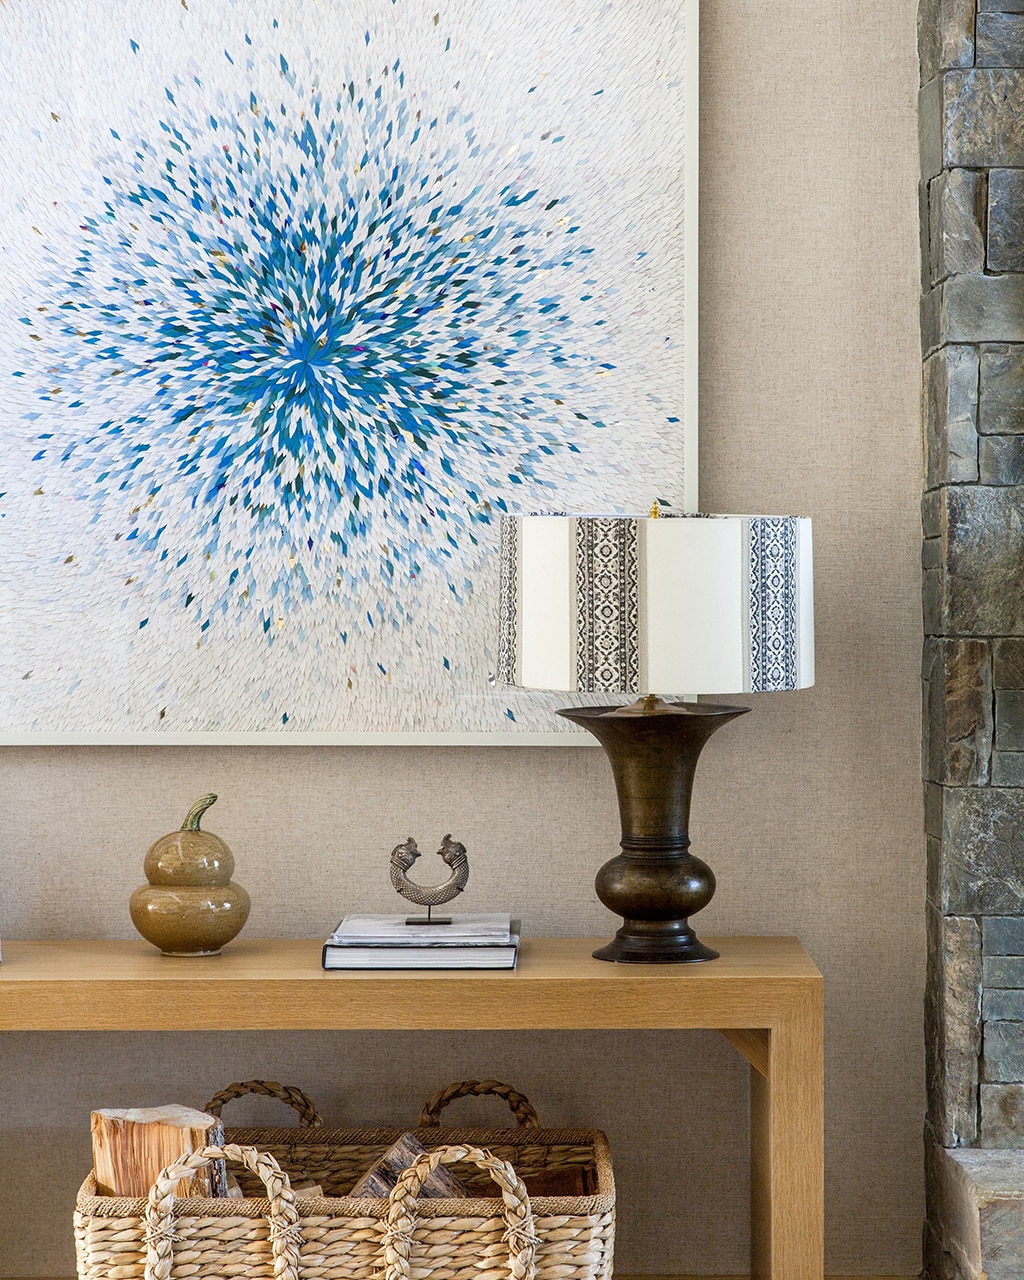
387,942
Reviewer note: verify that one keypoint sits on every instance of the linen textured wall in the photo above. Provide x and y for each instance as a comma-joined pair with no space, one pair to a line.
809,808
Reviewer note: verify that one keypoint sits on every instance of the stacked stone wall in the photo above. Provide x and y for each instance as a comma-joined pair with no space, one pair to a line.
972,323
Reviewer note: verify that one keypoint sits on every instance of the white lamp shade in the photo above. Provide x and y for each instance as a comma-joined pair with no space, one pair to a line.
626,604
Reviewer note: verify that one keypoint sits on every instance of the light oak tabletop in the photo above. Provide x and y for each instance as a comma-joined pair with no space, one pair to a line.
262,984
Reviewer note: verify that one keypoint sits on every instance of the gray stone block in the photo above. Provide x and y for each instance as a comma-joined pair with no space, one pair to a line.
929,128
931,553
958,722
1005,973
978,1203
938,1264
934,856
945,35
1002,1058
1001,6
1001,396
1010,719
983,119
1008,662
999,40
1002,1115
1007,769
933,810
1003,936
984,528
952,1026
930,316
1009,733
982,308
1005,217
1001,460
956,201
983,835
923,236
1002,1004
933,601
932,515
951,407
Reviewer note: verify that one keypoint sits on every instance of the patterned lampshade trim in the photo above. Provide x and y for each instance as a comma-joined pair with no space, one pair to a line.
624,604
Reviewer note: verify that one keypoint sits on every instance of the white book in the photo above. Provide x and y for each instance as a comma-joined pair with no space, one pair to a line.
392,931
347,956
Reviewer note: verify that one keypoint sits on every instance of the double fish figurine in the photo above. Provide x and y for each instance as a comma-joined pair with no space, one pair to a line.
451,852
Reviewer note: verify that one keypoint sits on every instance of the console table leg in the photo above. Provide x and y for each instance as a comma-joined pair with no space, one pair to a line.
787,1150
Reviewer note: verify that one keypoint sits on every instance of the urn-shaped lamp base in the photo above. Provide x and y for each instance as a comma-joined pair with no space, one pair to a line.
655,883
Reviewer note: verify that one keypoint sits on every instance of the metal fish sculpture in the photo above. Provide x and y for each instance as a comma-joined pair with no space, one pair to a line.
451,852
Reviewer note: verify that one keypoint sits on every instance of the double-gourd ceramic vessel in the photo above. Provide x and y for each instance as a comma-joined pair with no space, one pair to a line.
190,907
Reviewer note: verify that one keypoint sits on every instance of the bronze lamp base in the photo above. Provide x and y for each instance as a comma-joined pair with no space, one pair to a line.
655,883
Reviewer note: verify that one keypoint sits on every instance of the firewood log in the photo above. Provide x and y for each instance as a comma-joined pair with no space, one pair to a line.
379,1181
130,1146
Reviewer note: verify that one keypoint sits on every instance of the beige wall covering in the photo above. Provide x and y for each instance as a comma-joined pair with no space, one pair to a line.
808,809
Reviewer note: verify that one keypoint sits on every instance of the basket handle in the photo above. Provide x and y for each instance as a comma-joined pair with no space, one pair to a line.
520,1231
309,1117
519,1103
283,1216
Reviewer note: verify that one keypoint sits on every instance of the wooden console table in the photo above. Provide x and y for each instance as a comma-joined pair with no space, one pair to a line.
764,995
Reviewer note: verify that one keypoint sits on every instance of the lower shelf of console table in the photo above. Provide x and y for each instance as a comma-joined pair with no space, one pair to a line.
764,995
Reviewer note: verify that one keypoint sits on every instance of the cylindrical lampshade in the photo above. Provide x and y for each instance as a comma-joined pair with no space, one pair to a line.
665,604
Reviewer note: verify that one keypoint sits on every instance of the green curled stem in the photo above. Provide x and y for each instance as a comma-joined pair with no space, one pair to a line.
194,814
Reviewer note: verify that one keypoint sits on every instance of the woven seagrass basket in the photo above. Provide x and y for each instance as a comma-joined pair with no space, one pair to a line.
549,1161
496,1231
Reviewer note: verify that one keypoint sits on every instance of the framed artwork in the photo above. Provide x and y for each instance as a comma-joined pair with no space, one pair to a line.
298,298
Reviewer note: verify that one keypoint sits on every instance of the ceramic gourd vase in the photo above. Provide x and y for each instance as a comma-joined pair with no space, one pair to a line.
190,907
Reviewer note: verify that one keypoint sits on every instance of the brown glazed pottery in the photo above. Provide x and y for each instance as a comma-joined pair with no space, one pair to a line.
190,907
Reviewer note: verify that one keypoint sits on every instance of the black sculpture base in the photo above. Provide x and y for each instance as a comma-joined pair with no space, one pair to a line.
655,883
632,945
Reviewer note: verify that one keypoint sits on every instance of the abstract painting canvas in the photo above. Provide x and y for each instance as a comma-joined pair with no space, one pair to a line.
298,298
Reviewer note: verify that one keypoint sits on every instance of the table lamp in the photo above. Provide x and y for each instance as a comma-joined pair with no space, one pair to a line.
645,605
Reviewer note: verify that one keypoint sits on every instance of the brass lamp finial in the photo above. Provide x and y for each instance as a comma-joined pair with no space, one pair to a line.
655,510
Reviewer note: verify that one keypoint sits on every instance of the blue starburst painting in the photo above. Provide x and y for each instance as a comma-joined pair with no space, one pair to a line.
298,298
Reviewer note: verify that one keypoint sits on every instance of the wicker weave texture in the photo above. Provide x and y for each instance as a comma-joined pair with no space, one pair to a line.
404,1238
335,1159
